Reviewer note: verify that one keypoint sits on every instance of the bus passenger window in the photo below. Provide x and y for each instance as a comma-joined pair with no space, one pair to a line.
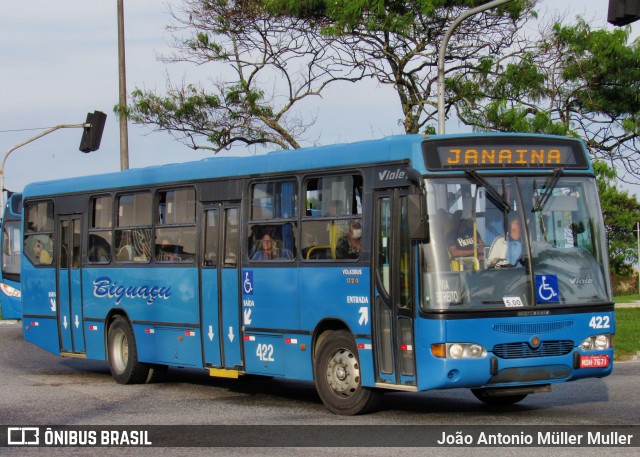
332,226
99,242
175,240
271,242
38,240
133,228
276,201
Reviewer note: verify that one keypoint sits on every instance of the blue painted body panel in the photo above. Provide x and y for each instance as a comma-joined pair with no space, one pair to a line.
434,373
11,306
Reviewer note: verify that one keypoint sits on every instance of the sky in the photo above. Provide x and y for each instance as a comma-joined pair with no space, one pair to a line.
59,61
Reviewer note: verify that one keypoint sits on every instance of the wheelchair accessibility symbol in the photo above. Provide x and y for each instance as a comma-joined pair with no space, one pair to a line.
247,283
547,288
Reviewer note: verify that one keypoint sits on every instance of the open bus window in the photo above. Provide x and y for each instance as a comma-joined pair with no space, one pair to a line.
38,239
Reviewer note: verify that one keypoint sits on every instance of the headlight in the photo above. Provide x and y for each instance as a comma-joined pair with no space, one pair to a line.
597,343
10,291
458,351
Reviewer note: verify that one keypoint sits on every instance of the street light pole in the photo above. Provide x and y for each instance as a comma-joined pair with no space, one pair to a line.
443,50
124,129
27,141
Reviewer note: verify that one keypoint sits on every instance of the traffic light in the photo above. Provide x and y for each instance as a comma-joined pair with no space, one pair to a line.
93,133
623,12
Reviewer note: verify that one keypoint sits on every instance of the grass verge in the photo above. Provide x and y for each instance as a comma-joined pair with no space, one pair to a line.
627,342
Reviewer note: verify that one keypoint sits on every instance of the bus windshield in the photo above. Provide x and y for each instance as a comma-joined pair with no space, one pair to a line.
11,247
513,242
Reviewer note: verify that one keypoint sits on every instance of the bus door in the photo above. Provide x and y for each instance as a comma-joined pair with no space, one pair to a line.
394,302
220,297
69,293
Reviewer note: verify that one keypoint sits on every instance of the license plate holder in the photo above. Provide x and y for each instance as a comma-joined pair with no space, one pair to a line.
594,361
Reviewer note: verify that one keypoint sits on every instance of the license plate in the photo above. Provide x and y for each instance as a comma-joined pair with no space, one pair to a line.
594,361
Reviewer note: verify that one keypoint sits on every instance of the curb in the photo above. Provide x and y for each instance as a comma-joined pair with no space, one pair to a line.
10,322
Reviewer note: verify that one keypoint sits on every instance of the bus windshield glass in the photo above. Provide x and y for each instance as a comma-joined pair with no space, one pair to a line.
513,242
11,247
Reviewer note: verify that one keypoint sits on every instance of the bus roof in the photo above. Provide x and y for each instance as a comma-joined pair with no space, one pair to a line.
392,148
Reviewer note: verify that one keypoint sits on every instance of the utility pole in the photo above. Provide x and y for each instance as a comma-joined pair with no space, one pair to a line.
443,51
124,129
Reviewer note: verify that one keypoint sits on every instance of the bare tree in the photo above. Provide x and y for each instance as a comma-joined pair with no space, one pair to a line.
281,53
274,63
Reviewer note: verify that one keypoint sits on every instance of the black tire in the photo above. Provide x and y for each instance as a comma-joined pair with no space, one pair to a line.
157,373
491,399
337,376
123,356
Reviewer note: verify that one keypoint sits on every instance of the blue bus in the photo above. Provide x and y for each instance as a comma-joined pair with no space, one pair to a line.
11,248
408,264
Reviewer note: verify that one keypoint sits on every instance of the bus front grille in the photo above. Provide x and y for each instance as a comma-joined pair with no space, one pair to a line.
523,350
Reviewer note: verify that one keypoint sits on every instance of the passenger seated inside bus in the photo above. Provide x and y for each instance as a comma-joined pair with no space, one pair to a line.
133,245
466,247
168,251
349,245
506,249
269,248
41,253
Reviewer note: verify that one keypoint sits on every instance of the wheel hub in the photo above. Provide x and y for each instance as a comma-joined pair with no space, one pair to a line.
343,373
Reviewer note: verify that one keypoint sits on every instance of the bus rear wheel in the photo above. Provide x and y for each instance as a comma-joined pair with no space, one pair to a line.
337,376
123,356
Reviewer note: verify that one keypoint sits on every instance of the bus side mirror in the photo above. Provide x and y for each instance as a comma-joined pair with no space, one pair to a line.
418,218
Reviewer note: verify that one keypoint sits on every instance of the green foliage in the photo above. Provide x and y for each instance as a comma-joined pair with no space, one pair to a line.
604,66
620,212
390,16
574,81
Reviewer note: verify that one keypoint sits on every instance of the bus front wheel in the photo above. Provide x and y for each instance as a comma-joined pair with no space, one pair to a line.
123,357
338,378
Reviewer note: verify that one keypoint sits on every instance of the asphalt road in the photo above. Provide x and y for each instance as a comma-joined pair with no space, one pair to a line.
38,388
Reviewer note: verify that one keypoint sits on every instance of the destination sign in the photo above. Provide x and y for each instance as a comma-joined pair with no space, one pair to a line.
503,152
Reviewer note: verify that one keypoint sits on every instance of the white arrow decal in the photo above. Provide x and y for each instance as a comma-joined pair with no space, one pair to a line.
247,316
210,333
364,316
231,335
53,304
77,321
64,322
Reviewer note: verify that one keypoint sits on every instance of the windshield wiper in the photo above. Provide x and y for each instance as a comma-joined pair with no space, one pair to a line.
548,188
492,194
